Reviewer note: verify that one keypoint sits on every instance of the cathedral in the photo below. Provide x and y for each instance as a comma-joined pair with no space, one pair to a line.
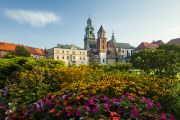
102,51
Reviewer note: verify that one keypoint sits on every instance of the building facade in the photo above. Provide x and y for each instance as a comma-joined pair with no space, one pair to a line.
102,51
70,54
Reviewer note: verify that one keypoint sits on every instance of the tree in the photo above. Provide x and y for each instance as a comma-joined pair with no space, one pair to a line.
22,51
164,63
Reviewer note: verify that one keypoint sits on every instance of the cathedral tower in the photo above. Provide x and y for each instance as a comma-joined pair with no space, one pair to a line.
89,38
102,45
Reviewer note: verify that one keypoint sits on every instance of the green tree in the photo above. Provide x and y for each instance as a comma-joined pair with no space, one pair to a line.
164,63
22,51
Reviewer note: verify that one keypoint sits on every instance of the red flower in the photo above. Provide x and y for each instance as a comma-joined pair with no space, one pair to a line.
114,114
52,110
65,102
68,108
58,113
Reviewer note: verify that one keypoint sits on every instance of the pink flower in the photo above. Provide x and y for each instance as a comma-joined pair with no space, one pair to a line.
172,117
91,102
134,111
163,116
88,108
106,105
105,97
78,113
149,104
95,110
69,113
113,100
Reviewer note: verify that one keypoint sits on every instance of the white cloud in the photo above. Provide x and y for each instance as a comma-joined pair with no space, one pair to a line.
33,18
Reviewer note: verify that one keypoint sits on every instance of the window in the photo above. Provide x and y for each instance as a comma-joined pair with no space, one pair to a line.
80,58
67,57
103,60
73,52
83,58
103,47
80,52
63,51
62,57
57,57
73,57
122,51
90,32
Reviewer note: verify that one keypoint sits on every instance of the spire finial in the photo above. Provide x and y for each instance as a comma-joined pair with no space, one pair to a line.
113,38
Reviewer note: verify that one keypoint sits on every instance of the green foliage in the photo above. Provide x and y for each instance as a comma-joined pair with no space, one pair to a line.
157,61
22,51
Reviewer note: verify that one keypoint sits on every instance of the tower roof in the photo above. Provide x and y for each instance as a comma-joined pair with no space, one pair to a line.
101,29
89,21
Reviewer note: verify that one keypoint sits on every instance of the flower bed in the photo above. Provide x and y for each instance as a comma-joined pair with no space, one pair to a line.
70,106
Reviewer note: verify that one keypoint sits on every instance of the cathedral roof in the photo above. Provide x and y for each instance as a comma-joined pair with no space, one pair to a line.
68,46
101,29
123,45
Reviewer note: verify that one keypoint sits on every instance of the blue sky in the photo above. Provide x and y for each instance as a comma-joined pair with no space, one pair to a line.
44,23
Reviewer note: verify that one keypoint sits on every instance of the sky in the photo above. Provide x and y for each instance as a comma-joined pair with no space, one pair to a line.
45,23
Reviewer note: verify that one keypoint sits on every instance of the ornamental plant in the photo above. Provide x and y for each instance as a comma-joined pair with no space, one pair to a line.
71,106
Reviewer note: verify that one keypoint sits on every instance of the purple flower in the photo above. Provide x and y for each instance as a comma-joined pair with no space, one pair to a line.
78,113
95,110
134,111
64,96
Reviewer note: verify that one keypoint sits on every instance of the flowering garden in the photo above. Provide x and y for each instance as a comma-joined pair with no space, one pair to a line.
49,90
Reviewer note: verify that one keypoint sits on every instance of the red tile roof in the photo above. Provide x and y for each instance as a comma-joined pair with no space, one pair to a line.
11,47
145,45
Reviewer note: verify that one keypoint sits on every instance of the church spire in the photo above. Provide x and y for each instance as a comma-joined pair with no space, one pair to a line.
113,37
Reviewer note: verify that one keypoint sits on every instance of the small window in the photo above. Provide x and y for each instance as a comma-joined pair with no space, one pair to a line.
67,57
80,58
90,32
103,47
57,57
62,57
63,51
103,60
74,57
